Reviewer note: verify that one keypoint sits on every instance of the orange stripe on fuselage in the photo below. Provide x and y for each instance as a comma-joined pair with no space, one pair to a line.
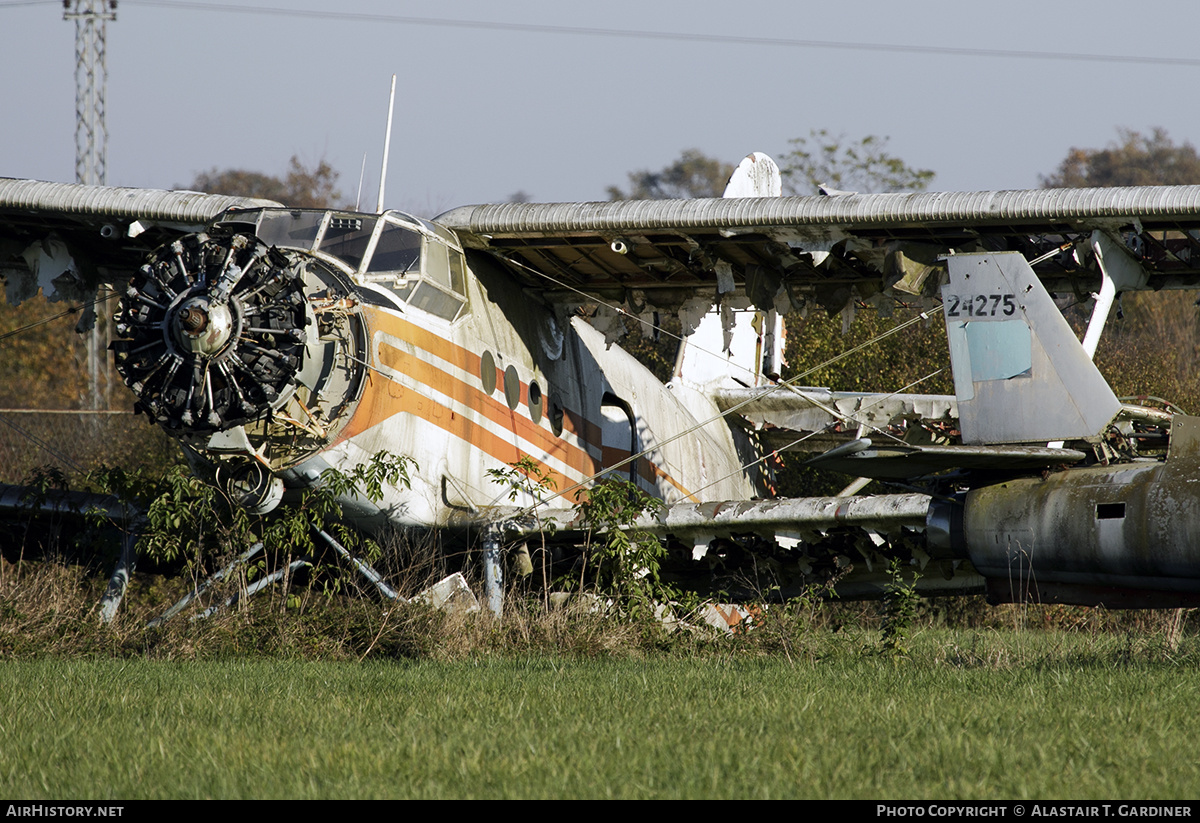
383,398
473,398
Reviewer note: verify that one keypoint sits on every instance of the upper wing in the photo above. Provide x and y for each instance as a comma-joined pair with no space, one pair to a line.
829,249
66,238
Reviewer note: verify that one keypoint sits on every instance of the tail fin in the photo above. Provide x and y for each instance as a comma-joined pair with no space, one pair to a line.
1020,374
734,342
756,176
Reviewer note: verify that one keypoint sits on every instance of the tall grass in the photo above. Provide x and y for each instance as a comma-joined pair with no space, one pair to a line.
48,609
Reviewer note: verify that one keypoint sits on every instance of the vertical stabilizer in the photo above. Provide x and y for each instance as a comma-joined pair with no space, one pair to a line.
756,176
1020,374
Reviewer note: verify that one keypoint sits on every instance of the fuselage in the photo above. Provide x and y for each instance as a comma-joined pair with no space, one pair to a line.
407,345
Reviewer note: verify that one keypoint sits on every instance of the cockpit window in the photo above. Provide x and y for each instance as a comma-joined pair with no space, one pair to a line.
457,278
398,250
291,229
437,264
416,260
347,237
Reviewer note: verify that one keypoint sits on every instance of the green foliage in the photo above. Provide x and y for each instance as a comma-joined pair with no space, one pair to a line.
694,174
822,159
1134,160
524,477
900,601
626,560
302,187
369,478
189,519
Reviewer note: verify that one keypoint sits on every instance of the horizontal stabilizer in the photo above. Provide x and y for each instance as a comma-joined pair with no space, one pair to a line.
883,513
901,461
805,409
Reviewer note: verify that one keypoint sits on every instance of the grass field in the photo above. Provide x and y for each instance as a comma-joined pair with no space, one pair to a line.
970,714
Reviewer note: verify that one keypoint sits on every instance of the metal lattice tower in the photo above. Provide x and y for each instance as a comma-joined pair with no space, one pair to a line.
91,146
91,77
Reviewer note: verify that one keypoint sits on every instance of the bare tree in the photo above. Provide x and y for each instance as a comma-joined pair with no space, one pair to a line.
302,186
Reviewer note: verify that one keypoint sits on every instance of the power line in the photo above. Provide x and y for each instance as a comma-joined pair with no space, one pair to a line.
728,39
638,34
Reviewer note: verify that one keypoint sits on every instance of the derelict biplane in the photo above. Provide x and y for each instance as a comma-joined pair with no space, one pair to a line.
275,343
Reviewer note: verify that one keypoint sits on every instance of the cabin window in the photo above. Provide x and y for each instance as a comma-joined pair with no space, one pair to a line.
535,402
556,418
487,371
437,264
435,301
512,387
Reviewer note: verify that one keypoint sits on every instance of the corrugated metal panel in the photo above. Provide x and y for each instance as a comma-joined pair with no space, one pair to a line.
186,207
1158,203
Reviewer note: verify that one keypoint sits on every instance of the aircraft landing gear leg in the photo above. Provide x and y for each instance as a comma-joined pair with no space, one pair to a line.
216,577
366,571
119,581
493,575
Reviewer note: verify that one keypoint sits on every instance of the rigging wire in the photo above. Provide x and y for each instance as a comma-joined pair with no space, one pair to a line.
3,416
42,443
621,311
61,314
789,385
722,415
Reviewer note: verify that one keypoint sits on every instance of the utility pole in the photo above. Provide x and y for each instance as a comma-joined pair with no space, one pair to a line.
91,144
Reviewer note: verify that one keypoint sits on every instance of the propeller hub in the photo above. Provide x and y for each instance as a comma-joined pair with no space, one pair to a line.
201,326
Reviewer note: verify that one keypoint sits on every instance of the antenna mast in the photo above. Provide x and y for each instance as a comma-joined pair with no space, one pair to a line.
387,144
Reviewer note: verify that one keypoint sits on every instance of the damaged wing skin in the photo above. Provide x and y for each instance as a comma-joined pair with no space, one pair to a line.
827,250
66,239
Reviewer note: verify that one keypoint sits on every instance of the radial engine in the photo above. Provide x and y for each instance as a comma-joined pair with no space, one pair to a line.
250,355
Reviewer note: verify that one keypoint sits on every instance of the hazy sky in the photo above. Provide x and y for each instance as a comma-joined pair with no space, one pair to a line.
484,112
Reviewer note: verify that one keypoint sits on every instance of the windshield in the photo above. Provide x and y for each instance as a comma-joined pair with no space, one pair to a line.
423,268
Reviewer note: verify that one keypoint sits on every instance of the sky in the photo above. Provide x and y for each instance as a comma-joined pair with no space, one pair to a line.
484,111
